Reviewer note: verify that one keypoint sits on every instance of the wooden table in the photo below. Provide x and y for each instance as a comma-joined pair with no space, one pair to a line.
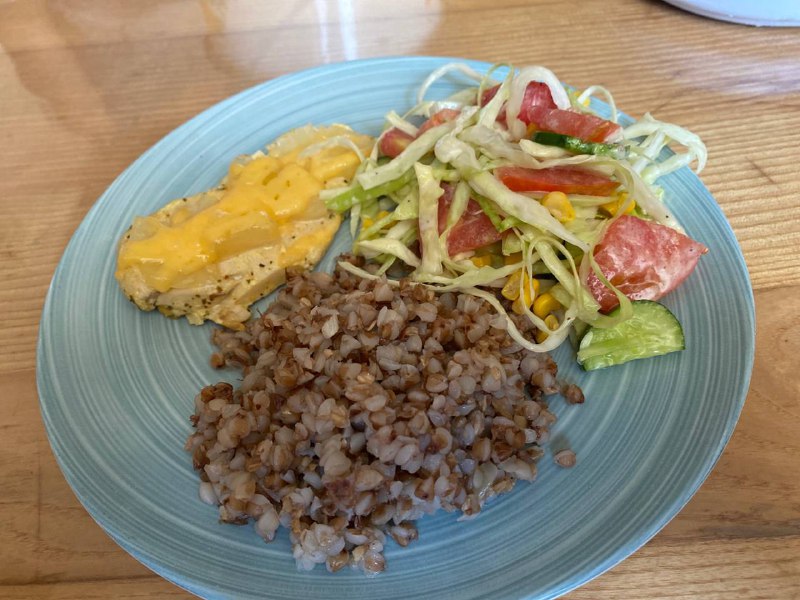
86,86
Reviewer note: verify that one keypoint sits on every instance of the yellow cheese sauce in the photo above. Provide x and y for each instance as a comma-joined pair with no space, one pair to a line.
266,202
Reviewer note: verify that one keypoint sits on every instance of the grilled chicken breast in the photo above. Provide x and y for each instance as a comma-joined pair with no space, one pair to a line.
210,256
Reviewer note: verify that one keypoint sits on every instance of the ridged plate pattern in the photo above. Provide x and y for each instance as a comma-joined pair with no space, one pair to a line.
117,386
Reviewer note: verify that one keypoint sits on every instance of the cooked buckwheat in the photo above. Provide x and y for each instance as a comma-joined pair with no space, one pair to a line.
363,407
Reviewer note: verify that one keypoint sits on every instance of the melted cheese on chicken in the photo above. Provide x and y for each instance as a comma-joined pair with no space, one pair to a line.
211,255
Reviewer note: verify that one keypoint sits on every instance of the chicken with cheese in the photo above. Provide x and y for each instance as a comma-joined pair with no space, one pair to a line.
210,256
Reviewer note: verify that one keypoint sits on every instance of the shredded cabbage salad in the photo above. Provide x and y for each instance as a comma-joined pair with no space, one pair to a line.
539,258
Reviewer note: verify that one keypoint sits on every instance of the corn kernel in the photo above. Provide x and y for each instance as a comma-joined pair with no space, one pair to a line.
532,281
481,261
369,222
613,206
518,306
530,287
512,259
551,321
559,206
545,304
510,290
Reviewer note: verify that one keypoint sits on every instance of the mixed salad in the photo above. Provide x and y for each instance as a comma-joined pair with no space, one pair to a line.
516,191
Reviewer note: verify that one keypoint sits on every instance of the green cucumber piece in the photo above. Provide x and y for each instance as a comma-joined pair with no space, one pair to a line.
576,145
652,331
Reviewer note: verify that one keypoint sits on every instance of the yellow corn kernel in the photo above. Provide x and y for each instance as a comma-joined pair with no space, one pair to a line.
613,206
481,261
525,298
512,259
552,324
518,305
545,304
511,288
368,222
559,206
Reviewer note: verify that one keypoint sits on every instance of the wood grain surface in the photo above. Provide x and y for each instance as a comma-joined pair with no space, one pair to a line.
88,85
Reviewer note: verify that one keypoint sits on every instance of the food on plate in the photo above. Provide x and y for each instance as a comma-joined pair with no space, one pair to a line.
487,227
642,259
564,179
365,404
211,255
652,331
518,193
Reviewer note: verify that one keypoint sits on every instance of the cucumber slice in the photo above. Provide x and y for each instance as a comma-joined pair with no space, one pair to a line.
652,331
577,145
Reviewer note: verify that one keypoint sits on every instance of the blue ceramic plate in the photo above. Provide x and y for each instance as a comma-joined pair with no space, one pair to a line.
117,387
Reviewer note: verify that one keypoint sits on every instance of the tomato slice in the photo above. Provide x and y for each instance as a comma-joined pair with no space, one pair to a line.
567,122
539,109
487,97
394,142
439,118
488,94
644,260
537,95
570,180
473,230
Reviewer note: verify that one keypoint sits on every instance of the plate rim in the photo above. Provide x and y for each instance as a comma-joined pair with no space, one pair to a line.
739,15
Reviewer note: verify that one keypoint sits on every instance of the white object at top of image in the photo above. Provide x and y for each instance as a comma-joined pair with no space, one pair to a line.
774,13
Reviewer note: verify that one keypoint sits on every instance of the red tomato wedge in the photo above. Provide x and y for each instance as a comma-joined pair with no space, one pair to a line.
567,122
487,97
473,230
539,110
488,94
439,118
536,94
394,141
570,180
644,260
